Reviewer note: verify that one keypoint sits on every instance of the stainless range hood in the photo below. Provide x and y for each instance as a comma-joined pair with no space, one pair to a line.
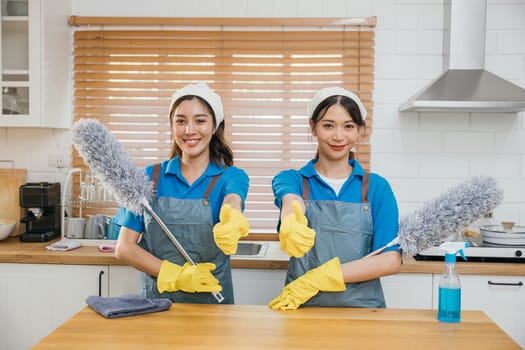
465,86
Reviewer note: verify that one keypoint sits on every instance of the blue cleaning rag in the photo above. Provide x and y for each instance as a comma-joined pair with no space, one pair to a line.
127,305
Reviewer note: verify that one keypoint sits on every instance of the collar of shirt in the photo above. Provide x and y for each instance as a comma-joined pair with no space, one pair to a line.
309,170
173,168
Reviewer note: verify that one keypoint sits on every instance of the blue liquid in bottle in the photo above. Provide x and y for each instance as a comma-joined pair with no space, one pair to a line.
449,305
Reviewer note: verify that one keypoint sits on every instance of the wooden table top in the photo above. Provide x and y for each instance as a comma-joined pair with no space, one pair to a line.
192,326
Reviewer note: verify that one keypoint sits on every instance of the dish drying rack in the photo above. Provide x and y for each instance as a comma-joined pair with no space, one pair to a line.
91,196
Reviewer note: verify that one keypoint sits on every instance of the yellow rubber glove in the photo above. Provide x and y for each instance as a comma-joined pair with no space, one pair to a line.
187,278
295,235
231,227
325,278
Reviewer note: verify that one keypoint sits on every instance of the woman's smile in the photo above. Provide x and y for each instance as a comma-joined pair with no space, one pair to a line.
337,148
191,142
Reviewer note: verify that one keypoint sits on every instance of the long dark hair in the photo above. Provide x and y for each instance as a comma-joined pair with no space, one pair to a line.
348,104
220,150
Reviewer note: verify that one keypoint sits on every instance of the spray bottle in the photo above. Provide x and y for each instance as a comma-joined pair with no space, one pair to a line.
449,307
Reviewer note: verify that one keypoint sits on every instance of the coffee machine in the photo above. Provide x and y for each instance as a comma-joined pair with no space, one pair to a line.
41,202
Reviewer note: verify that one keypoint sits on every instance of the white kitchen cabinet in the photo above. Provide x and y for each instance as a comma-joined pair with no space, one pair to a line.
123,280
408,291
502,298
257,286
405,291
35,62
37,298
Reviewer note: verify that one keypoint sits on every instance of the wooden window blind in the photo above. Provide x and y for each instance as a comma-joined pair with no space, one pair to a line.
265,76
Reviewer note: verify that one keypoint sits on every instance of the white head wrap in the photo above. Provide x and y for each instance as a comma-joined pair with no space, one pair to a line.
203,91
323,94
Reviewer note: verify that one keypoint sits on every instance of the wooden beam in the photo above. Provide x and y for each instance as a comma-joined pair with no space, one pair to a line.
223,21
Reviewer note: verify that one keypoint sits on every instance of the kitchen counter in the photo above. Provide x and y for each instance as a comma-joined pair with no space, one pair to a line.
192,326
14,251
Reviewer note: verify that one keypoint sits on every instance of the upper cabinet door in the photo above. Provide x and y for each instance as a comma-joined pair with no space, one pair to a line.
35,63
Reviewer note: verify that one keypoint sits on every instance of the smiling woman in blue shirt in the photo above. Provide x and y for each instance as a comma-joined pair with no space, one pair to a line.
333,213
200,196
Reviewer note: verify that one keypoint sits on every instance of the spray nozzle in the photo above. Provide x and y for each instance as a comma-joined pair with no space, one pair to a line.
452,248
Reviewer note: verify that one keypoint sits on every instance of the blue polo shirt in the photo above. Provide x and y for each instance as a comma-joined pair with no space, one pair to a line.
385,213
171,183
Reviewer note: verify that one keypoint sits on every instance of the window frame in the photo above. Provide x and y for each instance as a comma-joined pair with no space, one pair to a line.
364,66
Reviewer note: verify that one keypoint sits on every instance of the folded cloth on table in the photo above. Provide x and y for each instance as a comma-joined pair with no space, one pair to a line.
64,244
126,305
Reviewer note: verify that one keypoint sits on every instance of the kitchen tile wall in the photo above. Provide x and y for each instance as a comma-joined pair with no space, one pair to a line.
421,154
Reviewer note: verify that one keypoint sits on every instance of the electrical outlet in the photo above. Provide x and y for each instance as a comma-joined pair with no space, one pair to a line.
59,160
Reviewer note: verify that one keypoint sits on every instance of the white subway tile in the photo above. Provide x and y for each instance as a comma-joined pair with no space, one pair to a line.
386,116
385,91
260,8
212,8
444,121
505,16
432,16
233,8
408,17
511,41
398,67
431,66
312,10
468,142
442,166
514,191
288,8
407,42
381,140
385,42
395,165
501,166
136,8
522,163
504,122
416,141
358,8
335,8
180,8
512,142
384,10
417,190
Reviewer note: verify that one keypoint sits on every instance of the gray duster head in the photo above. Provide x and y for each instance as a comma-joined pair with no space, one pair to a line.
107,158
448,214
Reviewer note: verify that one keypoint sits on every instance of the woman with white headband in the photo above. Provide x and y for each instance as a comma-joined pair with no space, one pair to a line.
333,213
200,196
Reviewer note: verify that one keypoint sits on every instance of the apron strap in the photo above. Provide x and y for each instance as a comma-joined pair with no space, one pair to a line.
364,188
306,190
206,200
155,177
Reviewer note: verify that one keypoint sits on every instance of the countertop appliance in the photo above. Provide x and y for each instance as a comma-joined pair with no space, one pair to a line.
41,203
485,253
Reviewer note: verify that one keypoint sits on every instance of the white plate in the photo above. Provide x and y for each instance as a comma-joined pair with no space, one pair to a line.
496,234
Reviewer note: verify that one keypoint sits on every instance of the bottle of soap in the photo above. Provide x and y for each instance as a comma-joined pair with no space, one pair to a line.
449,304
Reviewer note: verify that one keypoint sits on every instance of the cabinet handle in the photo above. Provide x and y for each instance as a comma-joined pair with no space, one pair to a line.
100,283
518,284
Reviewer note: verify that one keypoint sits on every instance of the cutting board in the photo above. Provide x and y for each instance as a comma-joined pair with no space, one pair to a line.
10,182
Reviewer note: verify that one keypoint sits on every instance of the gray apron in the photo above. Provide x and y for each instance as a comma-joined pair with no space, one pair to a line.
191,222
344,230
